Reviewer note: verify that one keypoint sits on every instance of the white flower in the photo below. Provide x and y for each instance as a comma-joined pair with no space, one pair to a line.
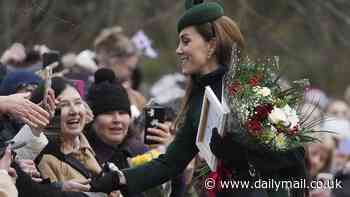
263,91
286,116
292,116
287,109
256,88
277,115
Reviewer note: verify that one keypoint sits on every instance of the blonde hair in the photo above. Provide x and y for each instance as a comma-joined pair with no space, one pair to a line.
115,42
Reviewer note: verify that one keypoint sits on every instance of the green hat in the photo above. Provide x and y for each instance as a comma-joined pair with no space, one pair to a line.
198,13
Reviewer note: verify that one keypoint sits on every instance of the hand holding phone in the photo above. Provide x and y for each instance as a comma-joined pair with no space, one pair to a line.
153,116
50,61
49,102
160,135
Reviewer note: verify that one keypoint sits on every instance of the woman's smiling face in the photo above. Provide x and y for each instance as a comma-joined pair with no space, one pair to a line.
192,51
73,112
112,127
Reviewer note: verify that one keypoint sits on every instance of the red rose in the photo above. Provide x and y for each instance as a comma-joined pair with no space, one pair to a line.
254,127
262,111
254,81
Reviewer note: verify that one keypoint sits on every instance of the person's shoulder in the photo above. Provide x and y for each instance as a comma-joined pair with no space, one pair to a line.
49,159
50,150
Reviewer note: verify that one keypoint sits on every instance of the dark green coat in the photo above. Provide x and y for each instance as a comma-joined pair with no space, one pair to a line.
183,149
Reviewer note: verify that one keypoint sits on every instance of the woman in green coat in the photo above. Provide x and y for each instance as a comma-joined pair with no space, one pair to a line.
206,37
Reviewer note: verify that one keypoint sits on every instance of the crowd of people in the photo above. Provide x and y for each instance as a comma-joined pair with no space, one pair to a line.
83,135
89,124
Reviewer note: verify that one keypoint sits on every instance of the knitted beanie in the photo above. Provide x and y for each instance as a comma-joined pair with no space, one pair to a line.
106,97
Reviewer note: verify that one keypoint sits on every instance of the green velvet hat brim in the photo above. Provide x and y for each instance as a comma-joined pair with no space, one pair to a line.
199,14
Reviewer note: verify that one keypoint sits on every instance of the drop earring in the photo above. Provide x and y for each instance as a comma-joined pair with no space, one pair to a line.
210,52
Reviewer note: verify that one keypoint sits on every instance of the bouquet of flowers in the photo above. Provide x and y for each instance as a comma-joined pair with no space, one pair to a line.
263,114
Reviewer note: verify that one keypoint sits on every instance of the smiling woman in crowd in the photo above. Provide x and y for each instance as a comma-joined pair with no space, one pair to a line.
68,157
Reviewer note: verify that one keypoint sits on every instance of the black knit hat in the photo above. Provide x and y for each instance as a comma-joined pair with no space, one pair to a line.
198,13
104,74
106,97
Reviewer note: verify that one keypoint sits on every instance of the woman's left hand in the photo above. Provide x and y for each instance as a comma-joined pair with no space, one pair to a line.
160,135
28,166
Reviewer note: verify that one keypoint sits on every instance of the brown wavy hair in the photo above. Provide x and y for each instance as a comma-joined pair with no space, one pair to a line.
226,33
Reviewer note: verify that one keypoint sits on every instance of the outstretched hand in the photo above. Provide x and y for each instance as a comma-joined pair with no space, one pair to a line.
18,106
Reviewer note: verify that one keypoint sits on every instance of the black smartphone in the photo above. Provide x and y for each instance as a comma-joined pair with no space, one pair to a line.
153,116
50,57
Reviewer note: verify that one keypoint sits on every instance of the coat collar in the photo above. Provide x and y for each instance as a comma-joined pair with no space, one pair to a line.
204,80
84,145
53,147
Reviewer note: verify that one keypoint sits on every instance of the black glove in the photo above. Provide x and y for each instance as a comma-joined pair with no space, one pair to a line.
106,183
217,144
226,149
